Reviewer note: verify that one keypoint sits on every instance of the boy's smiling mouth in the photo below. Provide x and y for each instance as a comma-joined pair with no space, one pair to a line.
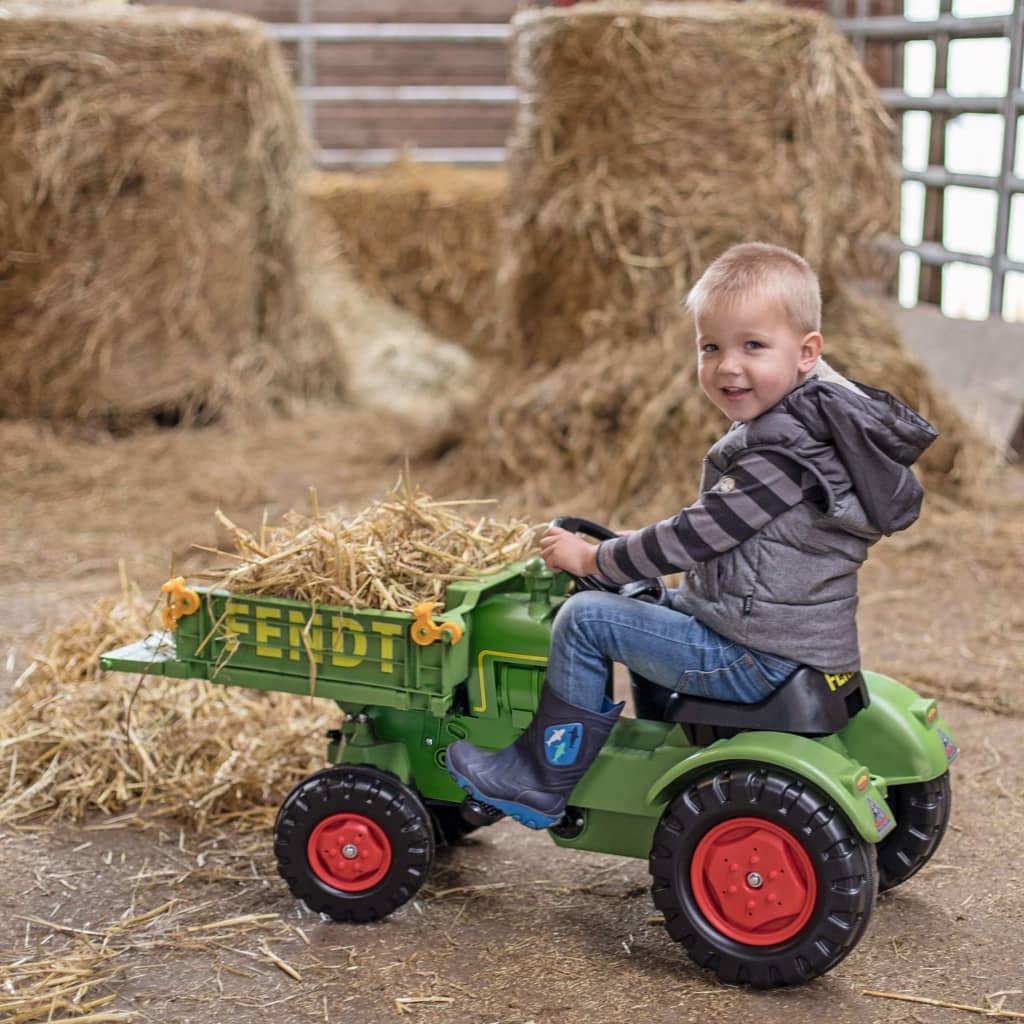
730,391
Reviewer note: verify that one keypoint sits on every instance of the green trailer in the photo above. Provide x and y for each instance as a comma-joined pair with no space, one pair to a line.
768,828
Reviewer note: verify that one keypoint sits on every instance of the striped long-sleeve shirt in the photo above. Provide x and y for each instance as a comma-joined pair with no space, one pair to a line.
758,487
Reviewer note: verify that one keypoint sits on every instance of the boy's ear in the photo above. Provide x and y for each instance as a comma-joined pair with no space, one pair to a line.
810,349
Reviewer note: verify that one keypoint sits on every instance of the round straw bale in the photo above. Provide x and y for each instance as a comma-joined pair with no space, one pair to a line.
423,235
621,435
651,137
155,252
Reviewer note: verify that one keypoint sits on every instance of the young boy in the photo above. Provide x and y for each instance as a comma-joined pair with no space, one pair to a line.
812,472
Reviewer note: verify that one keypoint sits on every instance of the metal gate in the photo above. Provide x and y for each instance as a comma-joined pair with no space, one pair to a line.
863,30
942,106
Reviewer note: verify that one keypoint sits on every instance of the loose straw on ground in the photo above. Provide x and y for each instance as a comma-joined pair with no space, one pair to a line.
73,982
983,1010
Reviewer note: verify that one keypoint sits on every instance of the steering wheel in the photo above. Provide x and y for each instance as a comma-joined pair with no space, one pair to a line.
652,591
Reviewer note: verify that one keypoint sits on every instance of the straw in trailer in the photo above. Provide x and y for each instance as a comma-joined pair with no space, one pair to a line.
400,551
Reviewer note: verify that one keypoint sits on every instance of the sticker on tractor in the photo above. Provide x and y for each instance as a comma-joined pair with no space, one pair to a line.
948,746
342,640
837,679
562,743
883,823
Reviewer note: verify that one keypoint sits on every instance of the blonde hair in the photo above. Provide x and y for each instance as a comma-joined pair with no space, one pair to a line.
770,270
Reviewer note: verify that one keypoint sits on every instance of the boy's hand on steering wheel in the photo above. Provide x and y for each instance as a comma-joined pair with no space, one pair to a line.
568,552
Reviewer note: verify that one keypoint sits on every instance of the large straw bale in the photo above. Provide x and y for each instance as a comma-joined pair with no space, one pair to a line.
620,435
423,235
651,137
155,252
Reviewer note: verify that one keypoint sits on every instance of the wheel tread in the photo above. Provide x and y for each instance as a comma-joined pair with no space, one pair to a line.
843,861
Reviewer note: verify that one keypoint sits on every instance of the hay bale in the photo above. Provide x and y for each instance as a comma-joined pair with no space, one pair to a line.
651,137
155,252
621,436
423,235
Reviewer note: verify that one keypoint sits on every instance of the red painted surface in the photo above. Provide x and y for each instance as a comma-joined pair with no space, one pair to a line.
722,876
368,846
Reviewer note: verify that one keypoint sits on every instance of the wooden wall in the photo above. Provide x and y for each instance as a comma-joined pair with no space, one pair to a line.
365,63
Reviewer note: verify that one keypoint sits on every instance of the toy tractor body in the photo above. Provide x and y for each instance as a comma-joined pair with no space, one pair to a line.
768,828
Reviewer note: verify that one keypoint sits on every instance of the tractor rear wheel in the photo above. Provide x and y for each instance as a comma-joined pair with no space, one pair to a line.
353,842
760,877
922,811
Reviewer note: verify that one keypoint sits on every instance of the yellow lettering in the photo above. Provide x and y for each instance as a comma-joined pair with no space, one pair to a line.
232,624
295,645
837,679
297,641
316,638
355,630
387,631
266,632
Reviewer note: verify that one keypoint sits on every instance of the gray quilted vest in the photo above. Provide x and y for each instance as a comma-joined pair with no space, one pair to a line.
791,589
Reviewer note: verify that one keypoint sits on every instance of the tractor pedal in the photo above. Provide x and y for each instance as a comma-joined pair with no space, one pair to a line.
476,812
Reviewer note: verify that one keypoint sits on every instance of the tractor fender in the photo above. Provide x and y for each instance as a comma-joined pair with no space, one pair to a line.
828,770
899,735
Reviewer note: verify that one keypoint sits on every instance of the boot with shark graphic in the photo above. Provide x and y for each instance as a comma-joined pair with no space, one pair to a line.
531,780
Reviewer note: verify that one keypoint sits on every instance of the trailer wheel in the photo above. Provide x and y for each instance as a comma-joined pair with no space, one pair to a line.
922,811
353,842
760,877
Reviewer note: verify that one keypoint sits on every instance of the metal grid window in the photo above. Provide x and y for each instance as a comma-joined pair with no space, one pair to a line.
977,196
931,187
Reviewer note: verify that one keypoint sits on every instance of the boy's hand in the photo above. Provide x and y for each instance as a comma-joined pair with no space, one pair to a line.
568,552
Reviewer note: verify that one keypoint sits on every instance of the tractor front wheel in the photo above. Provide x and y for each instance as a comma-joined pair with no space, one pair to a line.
760,877
353,842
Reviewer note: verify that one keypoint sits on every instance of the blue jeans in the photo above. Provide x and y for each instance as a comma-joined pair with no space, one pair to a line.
656,642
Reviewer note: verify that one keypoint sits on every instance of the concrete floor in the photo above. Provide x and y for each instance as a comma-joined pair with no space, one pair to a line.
980,364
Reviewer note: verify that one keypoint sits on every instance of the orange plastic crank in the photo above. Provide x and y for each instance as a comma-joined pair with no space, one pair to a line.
181,602
425,631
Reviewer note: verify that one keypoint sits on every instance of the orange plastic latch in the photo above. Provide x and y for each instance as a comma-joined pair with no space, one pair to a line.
425,631
180,602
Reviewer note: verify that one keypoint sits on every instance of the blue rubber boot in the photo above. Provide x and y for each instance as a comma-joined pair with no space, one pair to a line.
531,780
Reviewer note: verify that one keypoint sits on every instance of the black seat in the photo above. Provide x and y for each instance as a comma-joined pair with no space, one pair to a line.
808,703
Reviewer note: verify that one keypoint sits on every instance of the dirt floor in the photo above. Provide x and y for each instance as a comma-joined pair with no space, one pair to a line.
187,928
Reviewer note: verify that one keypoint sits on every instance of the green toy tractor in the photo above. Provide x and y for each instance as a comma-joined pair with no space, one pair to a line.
768,828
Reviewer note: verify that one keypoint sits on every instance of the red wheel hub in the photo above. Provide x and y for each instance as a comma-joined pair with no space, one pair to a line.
753,881
349,852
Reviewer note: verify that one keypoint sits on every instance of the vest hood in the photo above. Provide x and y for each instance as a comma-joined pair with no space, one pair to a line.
875,435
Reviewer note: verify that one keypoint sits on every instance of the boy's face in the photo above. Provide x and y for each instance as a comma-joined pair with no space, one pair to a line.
751,355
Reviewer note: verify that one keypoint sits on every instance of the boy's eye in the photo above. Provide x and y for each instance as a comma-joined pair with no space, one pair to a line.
709,346
752,344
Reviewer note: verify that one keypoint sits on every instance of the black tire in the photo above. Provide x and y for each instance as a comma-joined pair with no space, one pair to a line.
367,810
817,839
921,810
449,824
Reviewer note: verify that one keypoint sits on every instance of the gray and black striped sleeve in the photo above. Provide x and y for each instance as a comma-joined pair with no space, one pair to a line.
755,489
